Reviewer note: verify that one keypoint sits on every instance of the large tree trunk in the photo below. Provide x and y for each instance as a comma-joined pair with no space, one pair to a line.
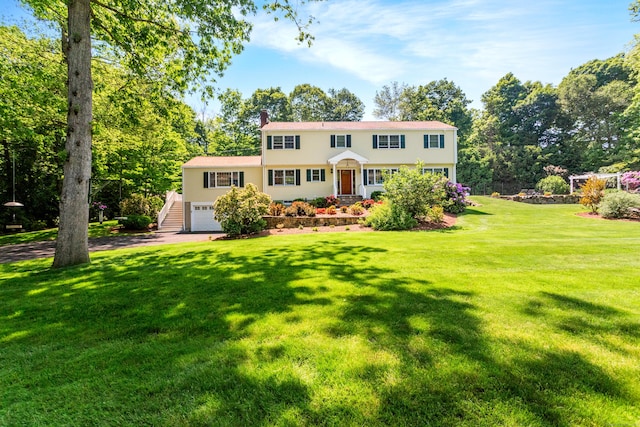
72,246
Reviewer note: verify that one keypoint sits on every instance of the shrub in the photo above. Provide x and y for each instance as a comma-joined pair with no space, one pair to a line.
631,180
344,209
240,211
616,205
356,209
387,216
321,211
495,194
276,209
413,191
592,193
331,210
319,202
553,184
377,195
136,222
291,211
137,204
436,214
367,203
455,198
331,201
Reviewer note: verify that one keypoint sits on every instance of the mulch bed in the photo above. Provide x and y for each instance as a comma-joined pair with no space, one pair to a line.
598,216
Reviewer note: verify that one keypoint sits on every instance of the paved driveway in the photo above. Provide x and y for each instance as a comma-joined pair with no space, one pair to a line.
27,251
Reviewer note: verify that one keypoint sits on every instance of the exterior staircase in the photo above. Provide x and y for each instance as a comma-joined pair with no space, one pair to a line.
349,200
172,222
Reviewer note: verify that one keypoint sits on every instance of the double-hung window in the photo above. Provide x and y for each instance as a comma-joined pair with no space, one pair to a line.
284,176
434,141
223,179
376,176
283,142
315,175
388,141
437,171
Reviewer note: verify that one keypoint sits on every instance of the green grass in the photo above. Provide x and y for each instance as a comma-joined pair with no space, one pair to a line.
95,230
521,315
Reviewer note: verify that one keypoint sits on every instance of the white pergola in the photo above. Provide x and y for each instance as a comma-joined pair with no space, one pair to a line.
348,155
617,175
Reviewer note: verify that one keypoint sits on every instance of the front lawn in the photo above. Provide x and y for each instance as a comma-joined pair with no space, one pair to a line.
520,315
95,230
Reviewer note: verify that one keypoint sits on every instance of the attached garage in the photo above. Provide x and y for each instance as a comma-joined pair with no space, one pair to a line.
202,218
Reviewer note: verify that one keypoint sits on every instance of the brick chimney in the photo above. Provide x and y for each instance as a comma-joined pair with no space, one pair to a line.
264,118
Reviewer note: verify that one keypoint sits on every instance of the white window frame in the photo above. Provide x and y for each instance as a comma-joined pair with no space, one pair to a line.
341,141
434,171
214,179
283,142
316,175
287,177
431,141
389,141
378,175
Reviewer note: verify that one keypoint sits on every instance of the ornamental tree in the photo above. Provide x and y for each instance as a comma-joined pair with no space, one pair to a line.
592,193
176,42
240,211
413,191
631,179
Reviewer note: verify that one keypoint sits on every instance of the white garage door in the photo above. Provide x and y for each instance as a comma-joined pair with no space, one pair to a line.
202,218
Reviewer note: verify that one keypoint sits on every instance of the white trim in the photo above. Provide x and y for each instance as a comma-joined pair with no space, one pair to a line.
617,175
347,154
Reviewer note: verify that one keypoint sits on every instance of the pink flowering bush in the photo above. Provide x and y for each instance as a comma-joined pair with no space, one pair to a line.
631,179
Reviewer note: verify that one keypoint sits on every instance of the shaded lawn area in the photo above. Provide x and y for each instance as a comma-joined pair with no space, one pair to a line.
95,230
520,315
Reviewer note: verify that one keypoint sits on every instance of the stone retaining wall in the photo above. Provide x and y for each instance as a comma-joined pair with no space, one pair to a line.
556,199
316,221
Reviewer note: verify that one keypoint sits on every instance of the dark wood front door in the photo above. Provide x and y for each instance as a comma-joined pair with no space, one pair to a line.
346,182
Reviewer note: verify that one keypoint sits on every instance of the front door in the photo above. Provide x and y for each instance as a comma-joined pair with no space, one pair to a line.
346,182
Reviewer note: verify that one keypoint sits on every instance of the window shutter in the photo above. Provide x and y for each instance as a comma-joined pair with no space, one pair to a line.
322,175
348,141
206,180
333,141
426,141
241,179
268,142
441,141
402,144
446,172
308,175
270,175
297,142
375,141
297,176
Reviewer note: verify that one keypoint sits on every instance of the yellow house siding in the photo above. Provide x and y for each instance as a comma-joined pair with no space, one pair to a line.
305,189
193,186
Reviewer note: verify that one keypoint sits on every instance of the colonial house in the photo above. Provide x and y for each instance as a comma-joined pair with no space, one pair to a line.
315,159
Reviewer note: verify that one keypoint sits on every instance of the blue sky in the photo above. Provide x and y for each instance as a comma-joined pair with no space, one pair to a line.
365,44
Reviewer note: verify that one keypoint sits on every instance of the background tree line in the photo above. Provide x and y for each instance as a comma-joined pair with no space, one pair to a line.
143,131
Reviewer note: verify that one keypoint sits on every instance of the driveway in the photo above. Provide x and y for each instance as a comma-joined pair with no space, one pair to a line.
28,251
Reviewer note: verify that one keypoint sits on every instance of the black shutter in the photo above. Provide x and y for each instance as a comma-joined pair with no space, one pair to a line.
297,142
375,141
206,180
426,141
402,144
297,176
241,179
348,141
441,141
322,175
269,143
270,175
308,175
446,172
333,141
365,176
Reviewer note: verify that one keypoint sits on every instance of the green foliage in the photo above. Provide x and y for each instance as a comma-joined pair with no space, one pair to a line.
240,211
356,209
592,193
138,204
553,184
436,214
377,195
136,222
388,216
319,202
616,205
413,191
